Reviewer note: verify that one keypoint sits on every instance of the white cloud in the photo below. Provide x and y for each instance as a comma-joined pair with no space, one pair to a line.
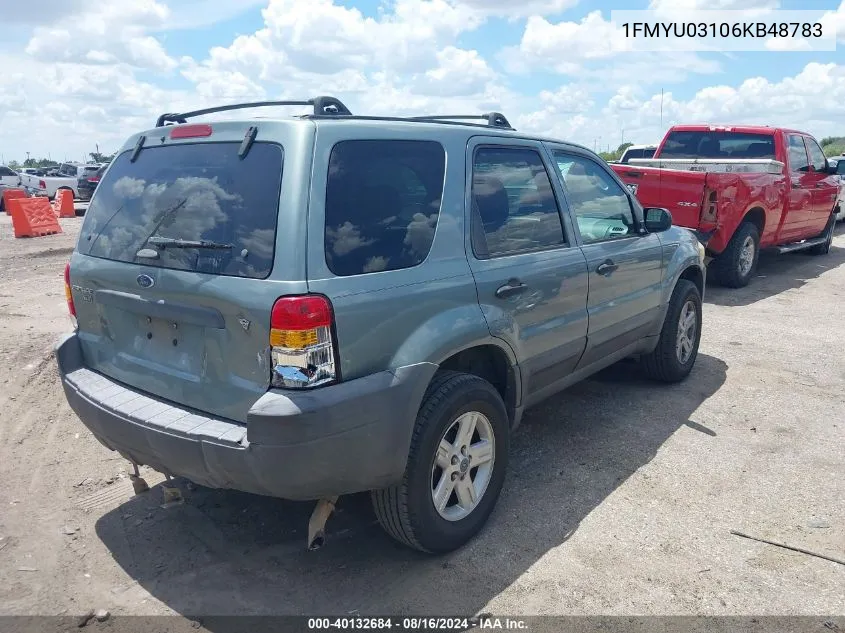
584,49
811,101
93,83
106,33
835,20
713,5
512,9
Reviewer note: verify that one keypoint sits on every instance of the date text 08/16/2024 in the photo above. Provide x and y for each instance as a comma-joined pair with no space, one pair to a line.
417,623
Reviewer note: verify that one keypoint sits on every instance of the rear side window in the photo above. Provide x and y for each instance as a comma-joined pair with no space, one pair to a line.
200,206
382,204
798,154
514,208
716,144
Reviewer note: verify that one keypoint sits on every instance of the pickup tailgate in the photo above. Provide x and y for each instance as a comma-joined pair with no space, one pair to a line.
681,192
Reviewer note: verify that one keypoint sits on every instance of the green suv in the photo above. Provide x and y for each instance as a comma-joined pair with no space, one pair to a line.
325,304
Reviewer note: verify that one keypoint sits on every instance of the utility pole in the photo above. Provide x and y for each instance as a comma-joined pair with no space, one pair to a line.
661,109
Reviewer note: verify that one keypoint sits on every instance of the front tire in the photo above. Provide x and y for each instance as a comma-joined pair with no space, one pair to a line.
736,265
456,466
677,348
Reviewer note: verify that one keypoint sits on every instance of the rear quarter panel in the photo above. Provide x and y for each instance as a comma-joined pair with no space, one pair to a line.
426,313
737,195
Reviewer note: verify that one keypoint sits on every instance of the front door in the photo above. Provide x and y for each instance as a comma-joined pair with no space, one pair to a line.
530,275
625,266
825,188
800,211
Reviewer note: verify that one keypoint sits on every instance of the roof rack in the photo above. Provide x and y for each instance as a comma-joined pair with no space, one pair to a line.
494,119
323,106
333,107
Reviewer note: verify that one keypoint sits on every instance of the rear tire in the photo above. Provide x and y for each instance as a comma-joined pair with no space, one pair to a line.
824,248
673,358
408,511
738,262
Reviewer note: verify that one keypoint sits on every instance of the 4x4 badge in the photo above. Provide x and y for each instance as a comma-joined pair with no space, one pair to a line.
244,324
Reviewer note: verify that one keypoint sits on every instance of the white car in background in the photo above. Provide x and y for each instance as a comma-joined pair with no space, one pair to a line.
66,177
840,201
9,177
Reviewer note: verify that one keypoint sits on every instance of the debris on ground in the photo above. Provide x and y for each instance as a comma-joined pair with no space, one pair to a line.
85,618
102,615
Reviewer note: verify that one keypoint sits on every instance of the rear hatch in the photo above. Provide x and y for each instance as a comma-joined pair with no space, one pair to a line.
170,276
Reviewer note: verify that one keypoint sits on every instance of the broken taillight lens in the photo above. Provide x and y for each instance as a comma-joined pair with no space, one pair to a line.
709,210
302,345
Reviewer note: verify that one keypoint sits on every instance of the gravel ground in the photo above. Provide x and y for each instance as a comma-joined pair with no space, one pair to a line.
620,499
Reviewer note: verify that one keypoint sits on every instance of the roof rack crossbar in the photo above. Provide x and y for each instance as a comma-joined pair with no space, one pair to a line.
323,106
494,119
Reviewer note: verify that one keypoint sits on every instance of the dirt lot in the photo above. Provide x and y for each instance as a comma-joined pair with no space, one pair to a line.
620,499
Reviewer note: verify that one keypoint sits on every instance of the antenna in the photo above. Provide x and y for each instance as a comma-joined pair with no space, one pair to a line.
661,108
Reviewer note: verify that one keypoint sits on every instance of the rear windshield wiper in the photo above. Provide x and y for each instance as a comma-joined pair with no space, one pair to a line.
169,242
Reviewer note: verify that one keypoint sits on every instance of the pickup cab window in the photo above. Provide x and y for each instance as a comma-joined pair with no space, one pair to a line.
718,144
798,154
600,205
817,157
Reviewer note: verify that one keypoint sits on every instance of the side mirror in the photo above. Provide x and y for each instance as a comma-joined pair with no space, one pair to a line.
657,220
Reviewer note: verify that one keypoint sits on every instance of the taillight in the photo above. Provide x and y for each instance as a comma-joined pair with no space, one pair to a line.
42,184
301,342
709,210
94,180
69,295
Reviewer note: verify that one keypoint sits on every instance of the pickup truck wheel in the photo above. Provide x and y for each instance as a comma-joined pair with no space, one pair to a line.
737,263
824,247
456,466
677,348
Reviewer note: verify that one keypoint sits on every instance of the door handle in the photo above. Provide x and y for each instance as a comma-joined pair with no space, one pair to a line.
819,185
606,268
513,287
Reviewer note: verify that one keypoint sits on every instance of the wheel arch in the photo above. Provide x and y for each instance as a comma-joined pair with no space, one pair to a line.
494,363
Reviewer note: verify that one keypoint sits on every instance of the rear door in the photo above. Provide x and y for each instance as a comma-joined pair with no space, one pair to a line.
825,187
530,275
159,311
801,184
625,266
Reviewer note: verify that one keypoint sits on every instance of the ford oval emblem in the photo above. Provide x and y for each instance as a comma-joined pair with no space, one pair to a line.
145,281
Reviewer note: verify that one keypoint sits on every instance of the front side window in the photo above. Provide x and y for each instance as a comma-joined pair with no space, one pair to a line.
514,208
173,198
798,154
600,205
817,157
382,204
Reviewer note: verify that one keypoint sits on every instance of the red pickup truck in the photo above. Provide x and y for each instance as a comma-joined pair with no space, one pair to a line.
741,188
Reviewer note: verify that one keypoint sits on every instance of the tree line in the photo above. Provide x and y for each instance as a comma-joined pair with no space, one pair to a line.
46,163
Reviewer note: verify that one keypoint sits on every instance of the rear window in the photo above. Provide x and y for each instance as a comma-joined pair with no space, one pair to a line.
717,144
382,204
172,197
637,153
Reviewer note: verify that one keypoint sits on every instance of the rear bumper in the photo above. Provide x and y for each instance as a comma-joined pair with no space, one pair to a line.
340,439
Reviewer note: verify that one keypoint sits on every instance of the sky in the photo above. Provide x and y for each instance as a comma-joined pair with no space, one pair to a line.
77,75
